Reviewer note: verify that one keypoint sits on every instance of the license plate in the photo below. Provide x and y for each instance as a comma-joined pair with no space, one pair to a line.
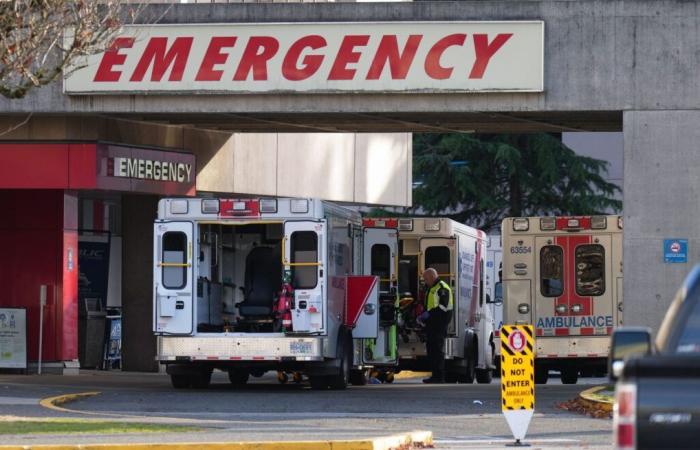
300,348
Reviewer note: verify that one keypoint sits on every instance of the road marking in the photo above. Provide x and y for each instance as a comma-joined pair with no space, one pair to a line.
17,401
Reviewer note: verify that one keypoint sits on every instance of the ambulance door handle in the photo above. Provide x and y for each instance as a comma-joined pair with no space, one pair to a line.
370,309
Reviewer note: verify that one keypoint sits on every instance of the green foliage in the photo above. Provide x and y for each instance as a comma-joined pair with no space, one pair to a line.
480,179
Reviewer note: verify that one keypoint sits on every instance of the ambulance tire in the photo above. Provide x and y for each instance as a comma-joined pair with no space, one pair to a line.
238,378
358,377
468,373
340,380
569,375
497,363
201,380
484,376
541,375
180,381
319,382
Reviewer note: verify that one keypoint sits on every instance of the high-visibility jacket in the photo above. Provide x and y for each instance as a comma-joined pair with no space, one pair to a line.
433,298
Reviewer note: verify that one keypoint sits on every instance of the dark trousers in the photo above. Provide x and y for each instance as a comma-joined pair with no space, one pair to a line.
435,347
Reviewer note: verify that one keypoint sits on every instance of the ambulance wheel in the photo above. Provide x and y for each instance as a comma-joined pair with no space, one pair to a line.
341,379
497,371
358,377
180,381
318,382
201,380
569,375
483,376
541,375
238,378
469,372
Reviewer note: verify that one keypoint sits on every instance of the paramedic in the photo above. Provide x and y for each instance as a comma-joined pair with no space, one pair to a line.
439,304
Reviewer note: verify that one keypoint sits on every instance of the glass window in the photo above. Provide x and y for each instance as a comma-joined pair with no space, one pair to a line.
381,265
174,252
304,248
551,271
689,341
590,270
439,259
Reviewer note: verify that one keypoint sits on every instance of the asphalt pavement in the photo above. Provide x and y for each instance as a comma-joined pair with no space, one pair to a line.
461,416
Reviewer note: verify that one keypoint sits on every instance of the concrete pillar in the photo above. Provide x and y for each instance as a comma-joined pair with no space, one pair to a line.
139,344
661,191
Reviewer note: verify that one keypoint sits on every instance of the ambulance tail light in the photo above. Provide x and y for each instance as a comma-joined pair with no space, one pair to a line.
548,224
268,205
624,416
179,206
521,224
431,225
300,206
406,224
599,222
210,206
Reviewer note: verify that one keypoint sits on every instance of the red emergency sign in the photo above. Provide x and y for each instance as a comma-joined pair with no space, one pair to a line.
318,57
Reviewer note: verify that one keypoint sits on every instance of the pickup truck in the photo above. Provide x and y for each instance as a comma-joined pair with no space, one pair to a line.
657,395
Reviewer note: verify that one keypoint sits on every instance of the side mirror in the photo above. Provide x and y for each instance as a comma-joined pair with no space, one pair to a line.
627,343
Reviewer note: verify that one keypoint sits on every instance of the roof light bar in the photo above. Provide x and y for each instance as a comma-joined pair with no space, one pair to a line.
431,224
299,205
210,206
268,205
548,223
599,222
521,224
179,206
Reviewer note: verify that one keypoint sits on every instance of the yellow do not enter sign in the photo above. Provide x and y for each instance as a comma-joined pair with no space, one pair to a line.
518,376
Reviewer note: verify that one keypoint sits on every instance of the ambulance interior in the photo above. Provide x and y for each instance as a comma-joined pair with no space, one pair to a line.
411,288
241,275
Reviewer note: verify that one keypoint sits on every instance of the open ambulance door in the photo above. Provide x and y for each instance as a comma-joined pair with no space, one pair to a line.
303,259
380,258
174,290
441,255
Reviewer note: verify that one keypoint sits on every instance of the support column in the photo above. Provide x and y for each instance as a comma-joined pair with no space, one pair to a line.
138,343
661,201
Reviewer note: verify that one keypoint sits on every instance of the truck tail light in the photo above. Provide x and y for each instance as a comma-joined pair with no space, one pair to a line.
624,413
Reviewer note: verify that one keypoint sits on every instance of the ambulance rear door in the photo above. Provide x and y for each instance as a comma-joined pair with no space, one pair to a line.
380,258
572,293
173,309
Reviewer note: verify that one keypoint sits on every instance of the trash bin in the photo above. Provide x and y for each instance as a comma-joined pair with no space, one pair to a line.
91,333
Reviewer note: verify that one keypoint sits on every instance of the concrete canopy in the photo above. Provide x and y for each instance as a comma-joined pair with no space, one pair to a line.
601,57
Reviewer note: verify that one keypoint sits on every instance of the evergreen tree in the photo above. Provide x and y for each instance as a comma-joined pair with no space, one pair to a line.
480,179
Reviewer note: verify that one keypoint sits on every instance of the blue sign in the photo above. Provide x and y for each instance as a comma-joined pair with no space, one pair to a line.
675,250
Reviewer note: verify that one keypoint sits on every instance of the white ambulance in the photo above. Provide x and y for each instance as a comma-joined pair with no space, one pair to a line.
564,275
252,285
494,294
458,253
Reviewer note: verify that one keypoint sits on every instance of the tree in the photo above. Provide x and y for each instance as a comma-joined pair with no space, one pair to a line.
33,50
480,179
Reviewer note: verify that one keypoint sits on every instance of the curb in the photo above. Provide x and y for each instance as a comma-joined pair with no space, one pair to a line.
592,398
54,402
413,440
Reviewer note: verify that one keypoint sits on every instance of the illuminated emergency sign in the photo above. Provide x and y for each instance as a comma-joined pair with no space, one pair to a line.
312,57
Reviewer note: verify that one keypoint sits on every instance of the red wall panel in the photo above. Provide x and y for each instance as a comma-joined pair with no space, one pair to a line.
34,166
35,251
